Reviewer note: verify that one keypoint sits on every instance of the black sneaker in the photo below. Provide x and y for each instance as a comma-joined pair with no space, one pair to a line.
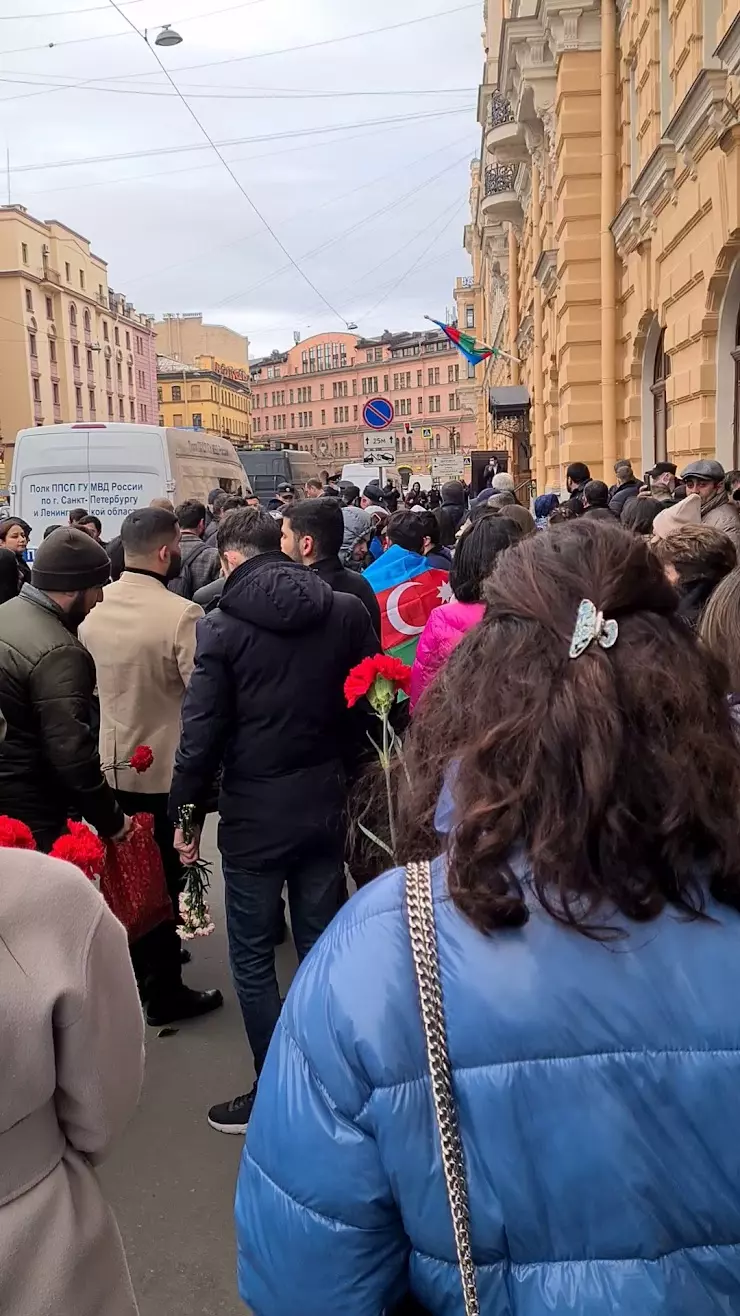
233,1116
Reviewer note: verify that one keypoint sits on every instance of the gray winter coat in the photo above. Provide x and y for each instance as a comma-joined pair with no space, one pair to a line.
200,566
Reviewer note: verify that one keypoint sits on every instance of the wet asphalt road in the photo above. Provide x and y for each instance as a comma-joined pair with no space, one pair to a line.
171,1180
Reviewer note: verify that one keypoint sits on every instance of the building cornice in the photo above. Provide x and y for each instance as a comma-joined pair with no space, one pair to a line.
626,227
703,113
654,183
728,50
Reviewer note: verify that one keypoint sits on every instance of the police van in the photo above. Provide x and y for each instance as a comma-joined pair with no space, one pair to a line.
112,469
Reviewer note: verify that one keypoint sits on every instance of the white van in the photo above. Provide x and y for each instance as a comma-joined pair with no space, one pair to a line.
112,469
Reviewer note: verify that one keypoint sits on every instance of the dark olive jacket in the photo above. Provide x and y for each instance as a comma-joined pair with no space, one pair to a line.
49,763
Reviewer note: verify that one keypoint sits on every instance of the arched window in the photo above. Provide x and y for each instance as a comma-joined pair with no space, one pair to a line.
86,321
661,372
736,394
73,315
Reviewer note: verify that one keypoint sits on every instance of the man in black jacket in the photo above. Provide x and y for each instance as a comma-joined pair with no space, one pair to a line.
49,762
628,486
266,701
312,534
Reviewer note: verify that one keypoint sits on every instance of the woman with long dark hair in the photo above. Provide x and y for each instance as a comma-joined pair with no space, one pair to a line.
587,929
14,536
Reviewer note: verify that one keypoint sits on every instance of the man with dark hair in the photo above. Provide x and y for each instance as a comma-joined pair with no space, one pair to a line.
143,643
314,488
406,529
266,700
628,487
77,514
312,533
576,477
93,526
200,563
49,762
216,501
596,503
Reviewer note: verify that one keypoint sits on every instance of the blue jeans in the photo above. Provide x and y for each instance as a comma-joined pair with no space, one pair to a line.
253,913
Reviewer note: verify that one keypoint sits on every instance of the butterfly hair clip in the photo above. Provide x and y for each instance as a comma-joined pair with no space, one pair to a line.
591,628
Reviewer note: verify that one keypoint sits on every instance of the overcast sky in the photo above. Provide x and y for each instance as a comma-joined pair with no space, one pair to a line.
174,227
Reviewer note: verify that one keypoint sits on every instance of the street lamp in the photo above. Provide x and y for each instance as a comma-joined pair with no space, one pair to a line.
167,37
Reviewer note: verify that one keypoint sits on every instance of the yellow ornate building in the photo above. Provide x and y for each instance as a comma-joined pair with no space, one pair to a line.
605,230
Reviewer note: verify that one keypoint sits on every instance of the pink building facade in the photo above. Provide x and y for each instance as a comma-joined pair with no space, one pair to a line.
135,341
313,396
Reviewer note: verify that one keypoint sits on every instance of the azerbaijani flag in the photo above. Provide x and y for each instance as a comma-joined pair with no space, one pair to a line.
473,351
408,590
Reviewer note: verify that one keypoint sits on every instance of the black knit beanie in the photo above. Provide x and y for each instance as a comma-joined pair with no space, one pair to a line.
69,560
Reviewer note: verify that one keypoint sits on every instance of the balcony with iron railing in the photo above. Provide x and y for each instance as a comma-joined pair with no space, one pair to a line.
500,201
504,136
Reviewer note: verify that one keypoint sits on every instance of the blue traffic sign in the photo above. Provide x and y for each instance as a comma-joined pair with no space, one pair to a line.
377,414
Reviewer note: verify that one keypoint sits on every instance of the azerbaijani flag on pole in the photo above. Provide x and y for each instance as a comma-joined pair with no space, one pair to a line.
408,590
472,350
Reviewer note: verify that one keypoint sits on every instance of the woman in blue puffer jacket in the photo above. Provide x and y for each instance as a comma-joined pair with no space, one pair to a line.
589,941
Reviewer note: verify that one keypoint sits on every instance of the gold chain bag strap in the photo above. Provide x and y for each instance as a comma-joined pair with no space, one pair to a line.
423,932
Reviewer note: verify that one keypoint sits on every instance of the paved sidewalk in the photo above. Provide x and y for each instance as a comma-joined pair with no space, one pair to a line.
171,1180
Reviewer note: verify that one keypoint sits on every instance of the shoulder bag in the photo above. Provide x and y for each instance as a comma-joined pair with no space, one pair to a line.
423,933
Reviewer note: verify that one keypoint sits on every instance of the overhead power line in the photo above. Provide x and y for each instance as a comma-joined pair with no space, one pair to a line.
109,36
81,161
334,200
455,208
252,204
64,13
394,204
238,59
198,91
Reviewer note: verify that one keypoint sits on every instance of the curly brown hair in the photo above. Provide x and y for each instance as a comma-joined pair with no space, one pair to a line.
616,774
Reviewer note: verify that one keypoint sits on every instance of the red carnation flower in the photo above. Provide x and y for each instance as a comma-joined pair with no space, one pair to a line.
141,759
15,835
361,680
80,846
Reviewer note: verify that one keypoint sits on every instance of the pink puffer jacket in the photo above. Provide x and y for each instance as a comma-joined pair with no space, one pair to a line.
444,630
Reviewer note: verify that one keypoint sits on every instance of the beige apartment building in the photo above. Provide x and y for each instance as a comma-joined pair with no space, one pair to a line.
73,350
184,337
214,392
605,230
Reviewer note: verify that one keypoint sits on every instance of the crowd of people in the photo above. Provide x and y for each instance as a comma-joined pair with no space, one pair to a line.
571,765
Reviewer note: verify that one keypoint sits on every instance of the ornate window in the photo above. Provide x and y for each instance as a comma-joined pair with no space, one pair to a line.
661,372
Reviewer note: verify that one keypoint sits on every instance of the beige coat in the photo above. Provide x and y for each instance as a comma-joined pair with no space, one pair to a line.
142,638
726,517
71,1053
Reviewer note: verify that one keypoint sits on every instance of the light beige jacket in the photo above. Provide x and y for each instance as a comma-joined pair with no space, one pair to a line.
142,638
71,1052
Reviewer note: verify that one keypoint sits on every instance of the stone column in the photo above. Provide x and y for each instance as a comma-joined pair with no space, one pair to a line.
513,301
574,142
538,373
608,253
